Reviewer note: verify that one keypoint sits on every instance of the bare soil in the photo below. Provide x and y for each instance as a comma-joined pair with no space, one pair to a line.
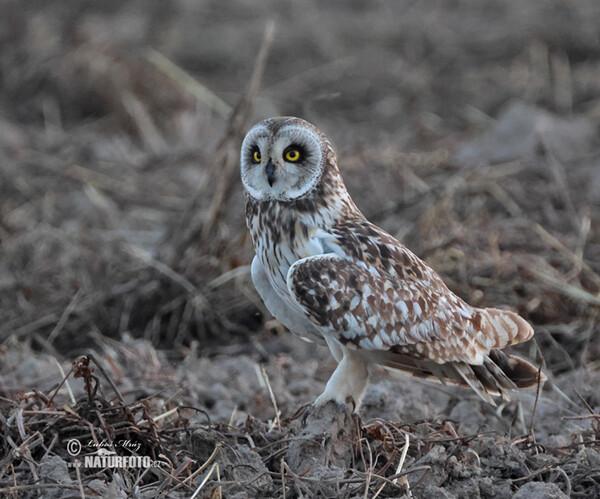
128,319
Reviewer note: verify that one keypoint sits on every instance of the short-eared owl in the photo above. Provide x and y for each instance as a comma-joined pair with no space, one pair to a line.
328,274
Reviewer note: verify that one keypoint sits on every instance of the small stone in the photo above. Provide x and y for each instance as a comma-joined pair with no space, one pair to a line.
539,490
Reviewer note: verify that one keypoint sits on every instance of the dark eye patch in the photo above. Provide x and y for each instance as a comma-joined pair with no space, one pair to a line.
254,155
295,153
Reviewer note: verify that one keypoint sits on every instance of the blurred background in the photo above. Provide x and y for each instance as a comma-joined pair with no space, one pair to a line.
469,130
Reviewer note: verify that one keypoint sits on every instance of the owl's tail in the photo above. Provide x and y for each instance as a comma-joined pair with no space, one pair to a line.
501,327
501,371
498,373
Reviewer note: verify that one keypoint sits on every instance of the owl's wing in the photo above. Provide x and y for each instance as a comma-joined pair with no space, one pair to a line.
285,313
410,321
364,309
373,292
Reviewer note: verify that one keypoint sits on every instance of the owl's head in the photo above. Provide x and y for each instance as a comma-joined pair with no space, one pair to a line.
283,159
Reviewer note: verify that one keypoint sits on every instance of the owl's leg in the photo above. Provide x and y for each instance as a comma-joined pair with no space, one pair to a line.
349,380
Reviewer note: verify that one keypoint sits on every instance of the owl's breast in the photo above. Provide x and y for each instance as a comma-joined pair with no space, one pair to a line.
279,242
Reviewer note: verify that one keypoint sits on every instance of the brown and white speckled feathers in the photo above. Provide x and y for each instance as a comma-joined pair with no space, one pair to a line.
360,288
377,296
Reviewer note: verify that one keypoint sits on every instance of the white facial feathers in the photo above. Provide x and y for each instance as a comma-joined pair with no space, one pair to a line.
287,179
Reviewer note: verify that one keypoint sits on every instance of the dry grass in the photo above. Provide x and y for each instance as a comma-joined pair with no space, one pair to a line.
121,215
379,457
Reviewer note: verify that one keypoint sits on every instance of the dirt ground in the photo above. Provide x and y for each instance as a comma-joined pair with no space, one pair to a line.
128,321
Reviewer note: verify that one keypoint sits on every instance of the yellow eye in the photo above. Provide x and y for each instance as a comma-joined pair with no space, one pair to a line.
292,155
256,156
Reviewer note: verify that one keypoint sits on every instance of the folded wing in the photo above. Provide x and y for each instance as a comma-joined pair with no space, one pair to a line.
410,320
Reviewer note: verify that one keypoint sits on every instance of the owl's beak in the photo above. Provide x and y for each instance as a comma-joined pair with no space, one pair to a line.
270,170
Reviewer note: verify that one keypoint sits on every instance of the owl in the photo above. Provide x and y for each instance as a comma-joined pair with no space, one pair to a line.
331,276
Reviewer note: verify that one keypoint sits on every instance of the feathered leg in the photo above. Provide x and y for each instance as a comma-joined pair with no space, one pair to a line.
349,380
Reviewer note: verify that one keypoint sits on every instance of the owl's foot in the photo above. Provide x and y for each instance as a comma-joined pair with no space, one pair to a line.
347,384
348,408
329,437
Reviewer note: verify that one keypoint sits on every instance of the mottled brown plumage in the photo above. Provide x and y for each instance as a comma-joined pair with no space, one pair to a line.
328,273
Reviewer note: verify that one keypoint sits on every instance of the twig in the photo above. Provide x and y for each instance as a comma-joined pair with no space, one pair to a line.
23,450
562,78
534,474
237,122
272,395
560,285
211,457
282,463
16,488
65,316
236,273
108,378
224,159
67,385
556,244
369,471
163,268
562,472
185,481
189,83
206,478
390,480
398,468
535,404
166,414
143,121
28,328
558,171
579,418
197,410
64,380
80,483
401,464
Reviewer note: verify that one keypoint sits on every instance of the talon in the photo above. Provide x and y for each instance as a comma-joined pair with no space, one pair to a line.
305,414
351,402
344,409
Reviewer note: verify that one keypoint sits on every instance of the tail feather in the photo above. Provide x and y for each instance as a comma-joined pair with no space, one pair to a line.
467,373
503,327
483,367
494,379
521,372
497,376
497,371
